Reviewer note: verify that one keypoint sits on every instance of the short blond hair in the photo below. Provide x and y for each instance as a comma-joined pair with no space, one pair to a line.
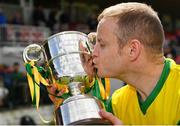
137,21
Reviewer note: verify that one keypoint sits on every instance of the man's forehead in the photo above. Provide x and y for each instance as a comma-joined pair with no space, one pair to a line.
107,20
106,26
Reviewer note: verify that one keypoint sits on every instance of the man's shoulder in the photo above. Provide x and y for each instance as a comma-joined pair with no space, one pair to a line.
175,67
125,90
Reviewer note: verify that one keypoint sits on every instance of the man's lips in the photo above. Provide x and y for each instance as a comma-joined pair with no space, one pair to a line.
95,65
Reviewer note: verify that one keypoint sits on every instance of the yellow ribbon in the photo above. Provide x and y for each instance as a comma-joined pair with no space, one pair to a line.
34,88
107,87
104,91
31,86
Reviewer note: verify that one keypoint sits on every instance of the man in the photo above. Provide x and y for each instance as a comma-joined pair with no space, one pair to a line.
129,47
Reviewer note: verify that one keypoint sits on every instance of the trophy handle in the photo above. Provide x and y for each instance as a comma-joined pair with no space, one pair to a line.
33,52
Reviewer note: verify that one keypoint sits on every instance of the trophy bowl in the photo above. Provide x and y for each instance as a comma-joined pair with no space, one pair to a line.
63,53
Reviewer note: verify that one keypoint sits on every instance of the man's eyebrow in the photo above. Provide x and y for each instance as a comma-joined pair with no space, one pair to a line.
99,39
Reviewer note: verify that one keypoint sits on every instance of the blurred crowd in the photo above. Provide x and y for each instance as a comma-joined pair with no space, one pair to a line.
172,46
11,80
56,20
14,91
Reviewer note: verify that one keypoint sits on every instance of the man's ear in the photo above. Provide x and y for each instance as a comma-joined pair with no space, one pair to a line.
134,49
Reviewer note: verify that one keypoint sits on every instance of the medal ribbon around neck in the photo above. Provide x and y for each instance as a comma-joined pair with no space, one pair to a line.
99,86
103,86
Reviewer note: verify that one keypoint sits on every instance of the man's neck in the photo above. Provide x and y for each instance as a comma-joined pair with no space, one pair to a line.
146,78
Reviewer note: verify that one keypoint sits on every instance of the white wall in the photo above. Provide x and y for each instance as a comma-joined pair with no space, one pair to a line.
115,84
9,55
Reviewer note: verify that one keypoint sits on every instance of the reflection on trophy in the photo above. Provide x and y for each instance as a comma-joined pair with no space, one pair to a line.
64,57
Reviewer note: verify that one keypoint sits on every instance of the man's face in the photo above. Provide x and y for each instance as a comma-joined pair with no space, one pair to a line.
107,55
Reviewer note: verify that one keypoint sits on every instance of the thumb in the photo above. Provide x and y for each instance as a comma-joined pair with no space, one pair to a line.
109,116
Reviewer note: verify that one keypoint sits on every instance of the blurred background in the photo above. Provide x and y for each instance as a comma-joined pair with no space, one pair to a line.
23,22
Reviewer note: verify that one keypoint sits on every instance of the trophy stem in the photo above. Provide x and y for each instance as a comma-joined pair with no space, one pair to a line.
74,88
58,117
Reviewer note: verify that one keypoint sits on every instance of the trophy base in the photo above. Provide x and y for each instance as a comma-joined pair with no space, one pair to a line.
91,121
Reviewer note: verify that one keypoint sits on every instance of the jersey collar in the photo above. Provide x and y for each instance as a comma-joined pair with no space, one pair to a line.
144,105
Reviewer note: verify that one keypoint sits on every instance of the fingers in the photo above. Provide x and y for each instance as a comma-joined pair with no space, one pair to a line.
86,60
109,116
84,53
81,47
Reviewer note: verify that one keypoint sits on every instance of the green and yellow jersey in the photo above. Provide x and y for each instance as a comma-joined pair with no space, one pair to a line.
162,106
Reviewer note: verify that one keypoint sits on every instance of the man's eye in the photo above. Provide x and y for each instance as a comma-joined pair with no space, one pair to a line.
102,45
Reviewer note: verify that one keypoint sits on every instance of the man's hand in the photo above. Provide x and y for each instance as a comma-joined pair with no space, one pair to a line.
86,59
109,116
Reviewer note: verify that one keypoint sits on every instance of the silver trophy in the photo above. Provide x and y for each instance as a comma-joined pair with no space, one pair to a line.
63,53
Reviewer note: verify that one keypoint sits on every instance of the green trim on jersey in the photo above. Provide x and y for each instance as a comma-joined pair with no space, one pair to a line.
108,105
144,105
